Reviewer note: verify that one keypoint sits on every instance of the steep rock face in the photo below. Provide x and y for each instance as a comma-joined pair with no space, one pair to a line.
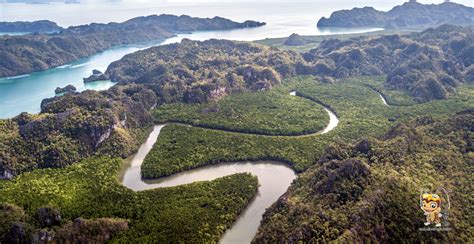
193,71
43,26
429,64
37,52
408,15
75,126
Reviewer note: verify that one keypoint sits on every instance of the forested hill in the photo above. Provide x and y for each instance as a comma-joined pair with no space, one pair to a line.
36,52
34,26
408,15
193,71
369,191
428,65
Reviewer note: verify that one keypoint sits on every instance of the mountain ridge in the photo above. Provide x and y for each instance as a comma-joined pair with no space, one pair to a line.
407,15
39,51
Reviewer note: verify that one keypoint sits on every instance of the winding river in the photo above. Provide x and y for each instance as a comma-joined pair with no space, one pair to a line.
274,179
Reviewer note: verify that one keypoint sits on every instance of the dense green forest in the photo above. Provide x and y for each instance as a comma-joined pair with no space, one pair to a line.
45,204
269,113
313,41
393,97
196,72
369,190
360,110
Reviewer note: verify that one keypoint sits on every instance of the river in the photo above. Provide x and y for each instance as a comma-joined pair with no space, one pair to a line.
274,178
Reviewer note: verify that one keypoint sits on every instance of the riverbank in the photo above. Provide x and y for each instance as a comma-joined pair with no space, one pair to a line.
273,177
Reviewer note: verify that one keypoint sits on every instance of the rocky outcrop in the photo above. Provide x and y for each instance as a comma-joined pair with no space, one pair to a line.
47,225
410,14
66,89
6,174
43,26
77,125
37,52
96,76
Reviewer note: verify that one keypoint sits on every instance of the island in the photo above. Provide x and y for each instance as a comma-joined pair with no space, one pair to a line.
408,15
43,26
96,76
39,51
64,90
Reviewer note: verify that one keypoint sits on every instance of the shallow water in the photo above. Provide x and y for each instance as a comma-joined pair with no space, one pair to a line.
24,93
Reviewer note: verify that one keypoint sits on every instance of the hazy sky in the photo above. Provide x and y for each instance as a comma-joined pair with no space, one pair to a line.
395,2
194,1
298,12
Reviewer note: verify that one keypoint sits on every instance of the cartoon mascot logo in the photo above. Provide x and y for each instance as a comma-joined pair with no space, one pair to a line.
432,204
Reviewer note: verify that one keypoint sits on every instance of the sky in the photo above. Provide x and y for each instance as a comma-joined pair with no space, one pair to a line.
468,2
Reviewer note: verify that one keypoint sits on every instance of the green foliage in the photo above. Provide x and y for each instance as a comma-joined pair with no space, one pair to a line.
76,126
36,52
376,199
360,110
196,72
181,148
393,97
314,41
268,113
10,214
197,212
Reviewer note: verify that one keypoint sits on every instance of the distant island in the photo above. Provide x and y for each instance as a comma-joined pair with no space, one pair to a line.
44,26
37,52
409,15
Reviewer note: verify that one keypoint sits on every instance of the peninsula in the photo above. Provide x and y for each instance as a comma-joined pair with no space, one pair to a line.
40,51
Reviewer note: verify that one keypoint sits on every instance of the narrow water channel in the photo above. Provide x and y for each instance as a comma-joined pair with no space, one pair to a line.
274,179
